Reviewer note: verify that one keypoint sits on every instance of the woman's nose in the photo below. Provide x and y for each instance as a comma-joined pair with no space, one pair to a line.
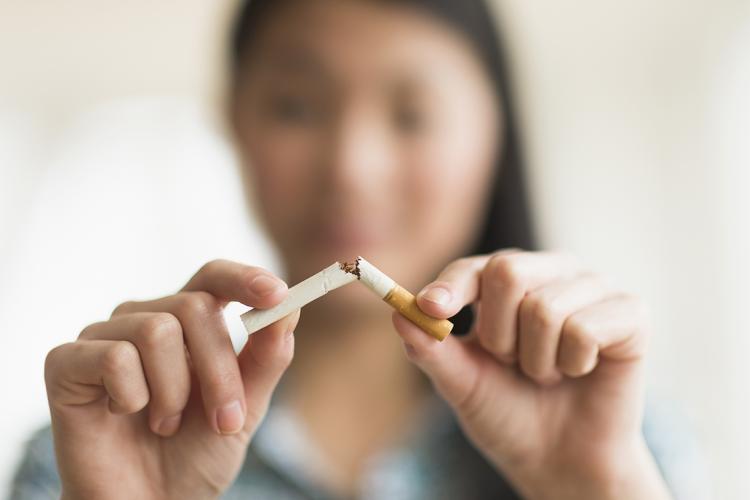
362,155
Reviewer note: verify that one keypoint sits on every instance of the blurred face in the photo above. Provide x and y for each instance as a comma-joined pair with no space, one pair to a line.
365,128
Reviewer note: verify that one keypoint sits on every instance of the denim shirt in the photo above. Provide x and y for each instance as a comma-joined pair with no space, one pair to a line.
435,462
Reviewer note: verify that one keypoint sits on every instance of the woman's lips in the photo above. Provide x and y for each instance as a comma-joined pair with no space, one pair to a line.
353,236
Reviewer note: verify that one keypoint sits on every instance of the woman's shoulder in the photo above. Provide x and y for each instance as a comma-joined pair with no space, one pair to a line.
36,476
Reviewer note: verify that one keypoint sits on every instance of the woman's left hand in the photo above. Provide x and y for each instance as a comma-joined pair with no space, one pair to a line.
548,385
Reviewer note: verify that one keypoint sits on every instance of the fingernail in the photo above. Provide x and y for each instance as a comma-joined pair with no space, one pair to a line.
230,418
169,425
263,285
437,295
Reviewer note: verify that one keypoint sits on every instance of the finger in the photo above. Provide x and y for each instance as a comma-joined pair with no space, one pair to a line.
456,286
541,316
505,280
263,360
81,373
158,337
231,281
615,329
211,355
451,365
228,281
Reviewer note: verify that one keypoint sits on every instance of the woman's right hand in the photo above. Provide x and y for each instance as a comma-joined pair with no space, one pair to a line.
154,402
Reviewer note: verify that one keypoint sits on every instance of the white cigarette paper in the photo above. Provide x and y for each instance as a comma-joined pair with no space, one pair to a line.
375,279
299,295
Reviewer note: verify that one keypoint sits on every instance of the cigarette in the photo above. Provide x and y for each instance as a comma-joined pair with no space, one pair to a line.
337,275
399,298
301,294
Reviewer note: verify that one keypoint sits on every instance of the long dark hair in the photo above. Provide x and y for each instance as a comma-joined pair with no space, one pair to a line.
507,220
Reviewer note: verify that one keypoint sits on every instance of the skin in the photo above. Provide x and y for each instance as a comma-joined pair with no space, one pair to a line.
388,156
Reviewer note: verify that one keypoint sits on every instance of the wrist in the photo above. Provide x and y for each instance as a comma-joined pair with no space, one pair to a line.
628,472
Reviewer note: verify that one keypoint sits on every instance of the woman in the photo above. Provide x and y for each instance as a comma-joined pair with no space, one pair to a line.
382,129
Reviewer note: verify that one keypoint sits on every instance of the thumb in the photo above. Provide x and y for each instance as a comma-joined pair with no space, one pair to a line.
452,365
262,361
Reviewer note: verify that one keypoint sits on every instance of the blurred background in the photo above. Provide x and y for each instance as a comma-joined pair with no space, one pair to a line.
116,180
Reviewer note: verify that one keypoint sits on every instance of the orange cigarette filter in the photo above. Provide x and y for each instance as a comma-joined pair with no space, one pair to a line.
397,297
404,302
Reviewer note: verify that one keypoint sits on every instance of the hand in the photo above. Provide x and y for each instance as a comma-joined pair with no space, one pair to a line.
548,385
154,402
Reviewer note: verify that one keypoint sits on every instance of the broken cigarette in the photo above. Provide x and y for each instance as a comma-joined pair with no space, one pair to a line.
337,275
400,299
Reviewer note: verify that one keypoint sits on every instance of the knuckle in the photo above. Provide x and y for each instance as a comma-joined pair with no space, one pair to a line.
544,315
198,303
284,359
502,269
539,373
502,347
285,353
221,381
123,308
132,402
211,266
158,329
544,376
88,331
247,273
530,368
577,333
507,356
274,356
548,379
579,357
121,356
460,263
246,276
55,358
536,376
173,401
277,355
574,368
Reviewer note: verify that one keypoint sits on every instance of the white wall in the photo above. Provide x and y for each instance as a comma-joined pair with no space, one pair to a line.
637,120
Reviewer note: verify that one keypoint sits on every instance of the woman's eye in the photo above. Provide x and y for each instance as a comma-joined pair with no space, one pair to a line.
293,110
409,120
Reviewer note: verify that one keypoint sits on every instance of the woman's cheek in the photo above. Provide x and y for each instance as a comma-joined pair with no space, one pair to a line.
283,158
283,174
450,177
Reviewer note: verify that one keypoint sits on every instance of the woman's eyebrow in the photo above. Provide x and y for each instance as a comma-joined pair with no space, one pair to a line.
293,61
